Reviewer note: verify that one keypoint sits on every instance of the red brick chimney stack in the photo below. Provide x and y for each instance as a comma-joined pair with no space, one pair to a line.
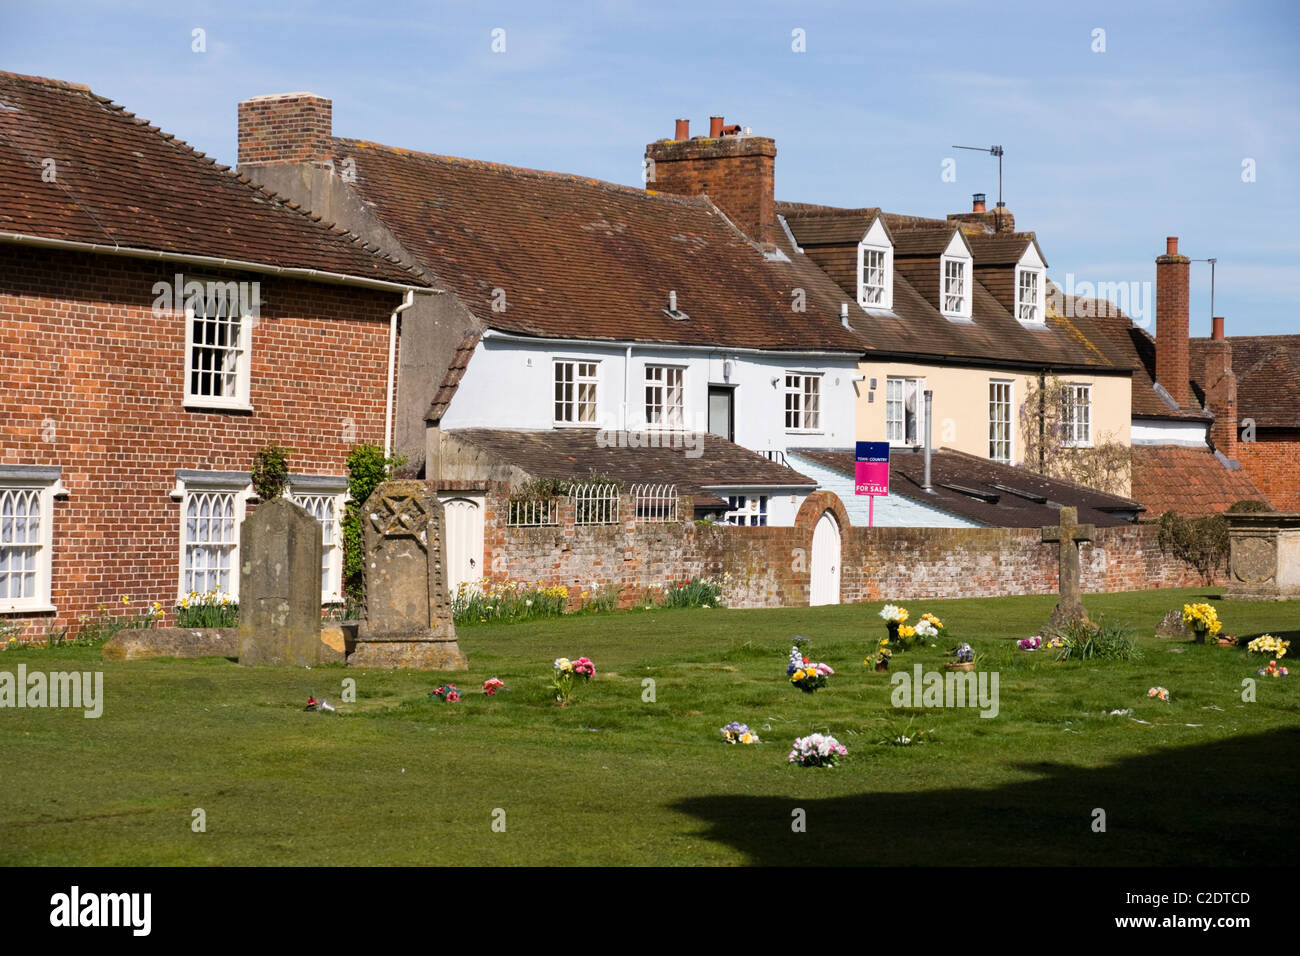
1172,362
284,129
1221,391
737,172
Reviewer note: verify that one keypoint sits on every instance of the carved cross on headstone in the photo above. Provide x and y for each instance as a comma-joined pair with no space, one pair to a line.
1068,534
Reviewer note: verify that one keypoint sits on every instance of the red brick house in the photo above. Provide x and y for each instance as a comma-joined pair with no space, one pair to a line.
161,319
1191,398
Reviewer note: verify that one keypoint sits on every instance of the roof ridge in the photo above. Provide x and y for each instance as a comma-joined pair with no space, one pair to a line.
48,81
490,165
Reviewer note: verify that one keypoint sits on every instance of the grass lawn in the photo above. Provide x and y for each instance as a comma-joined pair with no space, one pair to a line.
396,778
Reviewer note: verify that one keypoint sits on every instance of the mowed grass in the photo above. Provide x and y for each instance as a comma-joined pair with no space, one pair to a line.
396,778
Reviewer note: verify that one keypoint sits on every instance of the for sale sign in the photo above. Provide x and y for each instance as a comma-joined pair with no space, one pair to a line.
871,468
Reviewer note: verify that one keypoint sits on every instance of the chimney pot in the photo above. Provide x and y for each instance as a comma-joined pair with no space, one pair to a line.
715,127
1171,245
977,205
683,129
1216,327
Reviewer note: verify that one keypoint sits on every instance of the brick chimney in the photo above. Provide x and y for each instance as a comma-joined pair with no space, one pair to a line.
997,219
1172,363
1221,391
285,129
737,172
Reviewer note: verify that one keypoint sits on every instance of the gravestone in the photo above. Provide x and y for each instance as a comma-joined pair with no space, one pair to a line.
1068,534
1171,625
279,585
406,621
1263,556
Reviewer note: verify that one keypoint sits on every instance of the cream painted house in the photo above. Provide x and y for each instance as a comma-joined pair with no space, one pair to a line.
959,307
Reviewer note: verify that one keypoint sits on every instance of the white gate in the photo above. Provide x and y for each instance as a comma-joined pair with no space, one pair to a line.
824,570
464,544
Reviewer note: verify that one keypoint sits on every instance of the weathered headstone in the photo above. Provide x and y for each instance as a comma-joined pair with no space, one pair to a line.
407,618
1263,556
1171,625
279,585
1068,534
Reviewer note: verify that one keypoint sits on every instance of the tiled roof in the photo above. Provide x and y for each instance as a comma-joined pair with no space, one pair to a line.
1139,349
579,258
915,326
581,452
117,181
1268,377
987,492
455,372
1192,481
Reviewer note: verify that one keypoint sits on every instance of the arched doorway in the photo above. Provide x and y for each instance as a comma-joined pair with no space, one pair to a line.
824,569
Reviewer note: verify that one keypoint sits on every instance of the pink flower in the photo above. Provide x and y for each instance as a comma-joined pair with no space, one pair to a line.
492,685
452,697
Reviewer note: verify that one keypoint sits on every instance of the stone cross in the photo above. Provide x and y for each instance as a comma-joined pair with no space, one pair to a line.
407,618
279,585
1068,534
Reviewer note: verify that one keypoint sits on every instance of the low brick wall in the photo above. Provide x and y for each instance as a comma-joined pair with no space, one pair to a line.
768,567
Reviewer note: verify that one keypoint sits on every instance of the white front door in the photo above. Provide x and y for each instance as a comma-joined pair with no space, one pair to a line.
464,541
824,570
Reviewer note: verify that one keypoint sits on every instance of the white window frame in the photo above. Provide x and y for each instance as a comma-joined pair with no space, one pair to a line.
242,350
876,242
41,485
964,297
1010,404
796,395
670,417
747,510
577,380
309,492
191,485
1030,313
1078,429
903,381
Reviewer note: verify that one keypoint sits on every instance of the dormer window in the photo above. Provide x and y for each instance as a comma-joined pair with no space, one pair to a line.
955,280
1030,291
876,269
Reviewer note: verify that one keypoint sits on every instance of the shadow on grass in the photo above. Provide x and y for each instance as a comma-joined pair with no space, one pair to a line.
1228,803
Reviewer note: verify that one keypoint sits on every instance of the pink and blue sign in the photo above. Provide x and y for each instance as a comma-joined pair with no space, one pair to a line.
871,469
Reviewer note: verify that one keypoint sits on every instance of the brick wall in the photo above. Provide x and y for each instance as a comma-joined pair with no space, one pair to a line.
1273,462
768,567
86,365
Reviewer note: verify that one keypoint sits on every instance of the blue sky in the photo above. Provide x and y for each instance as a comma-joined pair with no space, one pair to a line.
1106,152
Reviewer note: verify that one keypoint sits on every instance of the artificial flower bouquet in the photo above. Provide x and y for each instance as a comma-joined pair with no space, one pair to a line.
882,657
817,750
928,626
1201,618
1268,644
738,733
1159,693
447,693
492,685
964,653
807,675
566,671
1030,643
1272,670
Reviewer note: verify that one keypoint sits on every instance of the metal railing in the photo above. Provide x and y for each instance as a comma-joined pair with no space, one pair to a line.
654,503
533,512
595,503
776,455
